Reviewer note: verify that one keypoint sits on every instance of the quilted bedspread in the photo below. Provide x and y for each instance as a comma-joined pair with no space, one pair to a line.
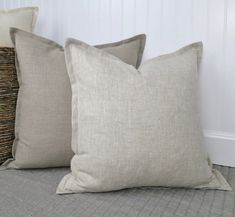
31,193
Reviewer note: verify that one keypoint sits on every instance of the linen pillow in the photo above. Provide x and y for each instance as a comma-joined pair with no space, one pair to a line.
124,49
23,18
133,128
43,113
8,96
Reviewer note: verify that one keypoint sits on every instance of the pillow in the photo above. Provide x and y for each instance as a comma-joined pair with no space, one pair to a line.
23,18
8,95
133,128
124,49
43,113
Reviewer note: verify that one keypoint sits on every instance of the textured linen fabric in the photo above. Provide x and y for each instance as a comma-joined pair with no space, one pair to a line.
43,113
8,96
136,44
22,18
32,193
133,128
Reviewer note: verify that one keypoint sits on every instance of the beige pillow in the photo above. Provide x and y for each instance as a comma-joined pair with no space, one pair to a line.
133,128
43,111
124,49
23,18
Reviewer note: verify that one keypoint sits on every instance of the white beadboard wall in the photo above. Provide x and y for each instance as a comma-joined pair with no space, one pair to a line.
169,24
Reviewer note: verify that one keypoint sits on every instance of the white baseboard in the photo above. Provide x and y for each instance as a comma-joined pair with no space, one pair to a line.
221,147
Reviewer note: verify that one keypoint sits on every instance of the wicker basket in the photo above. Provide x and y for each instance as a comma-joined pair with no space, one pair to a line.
8,96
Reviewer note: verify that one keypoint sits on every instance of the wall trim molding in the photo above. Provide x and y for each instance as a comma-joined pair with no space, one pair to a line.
219,134
221,147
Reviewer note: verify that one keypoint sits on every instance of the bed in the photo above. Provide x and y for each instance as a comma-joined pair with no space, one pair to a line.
31,193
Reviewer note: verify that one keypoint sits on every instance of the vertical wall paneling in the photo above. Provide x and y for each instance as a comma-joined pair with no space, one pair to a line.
153,28
116,16
141,9
184,21
213,63
169,25
129,17
105,23
228,123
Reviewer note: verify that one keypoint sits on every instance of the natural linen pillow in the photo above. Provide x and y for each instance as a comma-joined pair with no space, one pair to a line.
43,112
23,18
133,128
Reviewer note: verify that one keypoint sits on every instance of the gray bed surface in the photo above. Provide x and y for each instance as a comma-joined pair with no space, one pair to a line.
31,193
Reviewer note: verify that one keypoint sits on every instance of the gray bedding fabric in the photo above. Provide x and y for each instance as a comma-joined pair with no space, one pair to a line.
31,193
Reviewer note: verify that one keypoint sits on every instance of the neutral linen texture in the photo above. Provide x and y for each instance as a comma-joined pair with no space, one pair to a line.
43,113
8,95
133,128
22,18
129,50
32,193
